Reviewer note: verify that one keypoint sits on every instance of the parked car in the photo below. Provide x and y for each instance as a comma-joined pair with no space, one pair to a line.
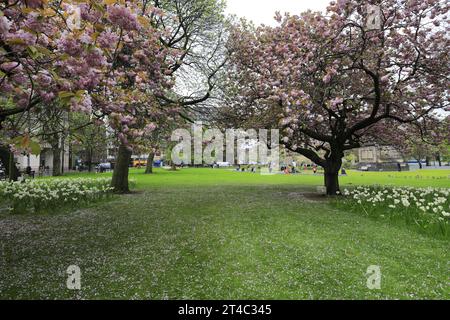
158,164
223,164
102,167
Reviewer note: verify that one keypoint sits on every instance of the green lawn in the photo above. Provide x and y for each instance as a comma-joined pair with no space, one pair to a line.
218,234
222,177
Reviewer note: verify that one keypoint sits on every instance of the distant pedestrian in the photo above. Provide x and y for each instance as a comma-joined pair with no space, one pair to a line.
41,170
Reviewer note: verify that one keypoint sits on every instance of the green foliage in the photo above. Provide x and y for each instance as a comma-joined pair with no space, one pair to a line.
25,143
349,159
444,150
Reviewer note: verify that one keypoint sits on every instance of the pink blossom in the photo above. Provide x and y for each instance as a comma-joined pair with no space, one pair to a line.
89,14
33,3
82,105
11,67
27,38
70,45
336,101
95,58
123,17
107,39
327,78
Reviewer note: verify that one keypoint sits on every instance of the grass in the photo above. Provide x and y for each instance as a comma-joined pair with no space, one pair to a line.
217,234
227,177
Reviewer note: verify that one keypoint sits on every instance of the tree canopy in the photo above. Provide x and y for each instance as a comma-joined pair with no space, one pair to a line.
329,80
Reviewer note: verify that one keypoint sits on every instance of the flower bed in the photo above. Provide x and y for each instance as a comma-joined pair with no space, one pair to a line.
52,194
426,208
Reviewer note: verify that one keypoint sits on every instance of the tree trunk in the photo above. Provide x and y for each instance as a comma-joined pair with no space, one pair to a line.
332,176
428,161
10,166
420,164
90,151
438,158
63,151
56,172
120,176
173,166
70,156
332,182
149,168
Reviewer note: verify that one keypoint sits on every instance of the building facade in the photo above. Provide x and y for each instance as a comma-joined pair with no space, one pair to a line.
381,158
44,160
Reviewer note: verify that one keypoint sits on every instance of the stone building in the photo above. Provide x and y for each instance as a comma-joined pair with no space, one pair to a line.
45,159
380,158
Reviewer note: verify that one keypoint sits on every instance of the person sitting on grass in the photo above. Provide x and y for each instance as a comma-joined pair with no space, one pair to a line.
294,167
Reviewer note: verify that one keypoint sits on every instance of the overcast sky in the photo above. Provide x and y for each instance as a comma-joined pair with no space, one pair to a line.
263,11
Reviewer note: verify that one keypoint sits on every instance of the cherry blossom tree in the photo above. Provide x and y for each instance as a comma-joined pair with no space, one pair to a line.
41,59
115,59
92,57
187,35
138,69
36,75
330,80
